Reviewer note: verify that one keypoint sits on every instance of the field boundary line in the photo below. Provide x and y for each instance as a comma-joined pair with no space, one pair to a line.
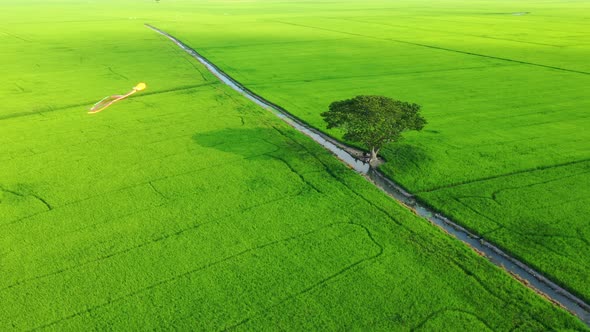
493,177
446,32
49,109
439,48
388,74
521,272
205,266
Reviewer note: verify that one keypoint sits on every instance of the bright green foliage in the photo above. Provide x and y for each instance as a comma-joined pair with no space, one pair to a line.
187,207
505,94
373,120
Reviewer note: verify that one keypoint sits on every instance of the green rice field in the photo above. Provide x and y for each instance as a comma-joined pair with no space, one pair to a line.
504,85
188,207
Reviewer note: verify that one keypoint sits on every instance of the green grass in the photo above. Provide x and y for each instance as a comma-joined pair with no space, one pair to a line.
506,97
187,206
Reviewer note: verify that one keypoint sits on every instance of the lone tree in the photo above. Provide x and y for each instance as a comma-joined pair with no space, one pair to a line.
374,120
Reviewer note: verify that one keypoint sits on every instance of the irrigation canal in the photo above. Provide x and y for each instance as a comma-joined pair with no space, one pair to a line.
524,273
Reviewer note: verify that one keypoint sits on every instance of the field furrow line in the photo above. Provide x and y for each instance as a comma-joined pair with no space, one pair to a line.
161,238
85,104
440,311
184,275
440,48
316,285
493,177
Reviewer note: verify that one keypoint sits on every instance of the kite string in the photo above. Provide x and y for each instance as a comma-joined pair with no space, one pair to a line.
100,101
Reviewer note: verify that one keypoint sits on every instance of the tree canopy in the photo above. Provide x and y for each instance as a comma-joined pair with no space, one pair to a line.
374,120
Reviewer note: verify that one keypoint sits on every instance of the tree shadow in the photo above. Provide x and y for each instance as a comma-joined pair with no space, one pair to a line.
272,147
404,157
285,145
243,142
263,143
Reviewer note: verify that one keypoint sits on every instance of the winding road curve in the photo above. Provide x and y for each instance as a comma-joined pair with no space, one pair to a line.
522,272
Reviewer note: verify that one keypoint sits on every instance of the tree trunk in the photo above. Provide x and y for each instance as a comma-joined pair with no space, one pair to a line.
374,153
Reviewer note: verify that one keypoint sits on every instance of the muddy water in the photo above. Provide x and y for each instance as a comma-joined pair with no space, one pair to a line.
529,276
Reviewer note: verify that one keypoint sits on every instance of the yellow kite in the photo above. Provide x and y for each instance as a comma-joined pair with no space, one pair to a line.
108,101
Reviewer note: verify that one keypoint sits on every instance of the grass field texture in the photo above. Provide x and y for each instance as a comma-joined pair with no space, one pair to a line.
503,84
187,206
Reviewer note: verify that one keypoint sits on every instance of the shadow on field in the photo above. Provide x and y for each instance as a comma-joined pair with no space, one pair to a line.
407,158
240,141
280,143
272,146
261,142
